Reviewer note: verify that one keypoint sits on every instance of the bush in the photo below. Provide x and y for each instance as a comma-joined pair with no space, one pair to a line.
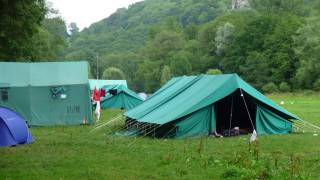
284,87
308,92
214,71
113,73
270,88
316,85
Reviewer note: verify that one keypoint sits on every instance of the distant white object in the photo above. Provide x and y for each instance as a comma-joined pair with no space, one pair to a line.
143,95
253,136
97,111
63,96
315,134
282,102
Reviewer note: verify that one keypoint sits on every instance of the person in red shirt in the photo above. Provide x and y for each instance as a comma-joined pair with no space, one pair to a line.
96,94
96,97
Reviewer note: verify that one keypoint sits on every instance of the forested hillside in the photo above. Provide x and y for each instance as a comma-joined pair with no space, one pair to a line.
121,37
274,45
127,29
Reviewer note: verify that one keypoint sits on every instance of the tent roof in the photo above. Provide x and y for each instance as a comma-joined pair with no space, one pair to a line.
99,83
120,89
183,95
15,74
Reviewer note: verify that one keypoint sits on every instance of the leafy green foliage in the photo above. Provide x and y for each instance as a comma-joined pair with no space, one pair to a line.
49,42
316,85
214,71
151,41
308,50
19,21
270,88
165,74
224,37
275,6
113,73
284,87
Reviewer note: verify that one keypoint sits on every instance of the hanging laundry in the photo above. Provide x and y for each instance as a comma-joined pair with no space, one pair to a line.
102,93
96,94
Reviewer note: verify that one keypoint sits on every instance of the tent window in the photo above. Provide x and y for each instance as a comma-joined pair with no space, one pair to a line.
58,92
4,95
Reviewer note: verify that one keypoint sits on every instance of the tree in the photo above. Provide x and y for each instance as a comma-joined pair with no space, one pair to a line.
19,21
165,74
164,43
191,32
180,64
126,62
113,73
224,37
270,88
255,70
49,42
295,7
316,85
284,87
307,48
214,71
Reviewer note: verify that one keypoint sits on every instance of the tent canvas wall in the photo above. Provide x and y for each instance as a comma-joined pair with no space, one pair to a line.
13,128
123,99
199,105
47,93
100,83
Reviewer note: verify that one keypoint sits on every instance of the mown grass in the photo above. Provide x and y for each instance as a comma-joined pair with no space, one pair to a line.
76,153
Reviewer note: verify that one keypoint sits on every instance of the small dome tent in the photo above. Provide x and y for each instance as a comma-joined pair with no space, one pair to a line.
191,106
119,96
13,128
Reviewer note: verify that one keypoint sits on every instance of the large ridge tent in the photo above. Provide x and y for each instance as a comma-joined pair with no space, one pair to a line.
100,83
200,105
13,128
122,98
47,93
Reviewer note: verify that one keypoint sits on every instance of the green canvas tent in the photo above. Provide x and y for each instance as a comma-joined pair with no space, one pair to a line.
124,98
47,93
100,83
200,105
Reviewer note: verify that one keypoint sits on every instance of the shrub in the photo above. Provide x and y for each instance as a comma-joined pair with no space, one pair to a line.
284,87
214,71
270,88
308,92
316,85
113,73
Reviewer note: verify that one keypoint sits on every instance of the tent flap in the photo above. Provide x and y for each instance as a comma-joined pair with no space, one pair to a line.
268,122
197,124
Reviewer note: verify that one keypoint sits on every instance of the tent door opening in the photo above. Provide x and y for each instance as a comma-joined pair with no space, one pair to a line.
232,116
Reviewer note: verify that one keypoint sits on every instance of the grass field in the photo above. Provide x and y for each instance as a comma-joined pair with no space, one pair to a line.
76,153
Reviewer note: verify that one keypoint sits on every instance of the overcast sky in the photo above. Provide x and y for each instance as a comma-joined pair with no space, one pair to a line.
86,12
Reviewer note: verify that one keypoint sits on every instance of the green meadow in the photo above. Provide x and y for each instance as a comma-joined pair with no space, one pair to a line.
76,152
